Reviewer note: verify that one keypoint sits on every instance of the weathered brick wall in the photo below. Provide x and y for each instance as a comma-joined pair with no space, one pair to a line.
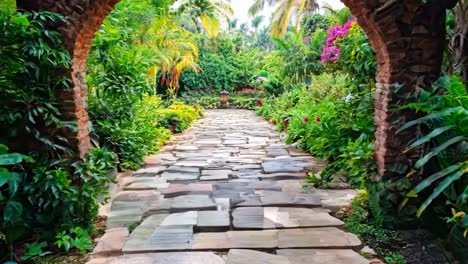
407,35
84,19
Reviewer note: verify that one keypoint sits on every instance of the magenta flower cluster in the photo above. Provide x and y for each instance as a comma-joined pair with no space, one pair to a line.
331,52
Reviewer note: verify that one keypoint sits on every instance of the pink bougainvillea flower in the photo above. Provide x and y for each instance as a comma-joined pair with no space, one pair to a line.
331,52
317,118
261,79
306,119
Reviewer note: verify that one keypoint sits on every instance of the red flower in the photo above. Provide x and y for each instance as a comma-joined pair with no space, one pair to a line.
259,102
306,119
317,118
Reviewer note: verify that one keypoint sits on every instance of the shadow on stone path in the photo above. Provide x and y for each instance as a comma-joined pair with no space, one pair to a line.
227,191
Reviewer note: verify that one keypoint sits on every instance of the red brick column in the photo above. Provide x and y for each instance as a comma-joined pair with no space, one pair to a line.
408,38
84,17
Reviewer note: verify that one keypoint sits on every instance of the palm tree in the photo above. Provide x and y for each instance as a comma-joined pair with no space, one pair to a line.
234,23
206,14
256,21
283,13
243,27
175,51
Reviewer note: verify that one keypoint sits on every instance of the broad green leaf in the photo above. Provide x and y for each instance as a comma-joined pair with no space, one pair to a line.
439,189
429,136
434,177
12,211
437,150
3,149
436,115
5,176
10,159
463,197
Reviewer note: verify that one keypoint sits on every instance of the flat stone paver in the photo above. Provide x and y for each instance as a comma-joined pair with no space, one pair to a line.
244,256
322,256
267,239
228,185
164,258
282,217
175,189
323,237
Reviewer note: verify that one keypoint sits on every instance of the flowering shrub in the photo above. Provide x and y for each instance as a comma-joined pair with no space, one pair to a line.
347,50
331,52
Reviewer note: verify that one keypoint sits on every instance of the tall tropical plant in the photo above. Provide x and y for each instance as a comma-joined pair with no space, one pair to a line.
206,14
444,136
284,12
176,52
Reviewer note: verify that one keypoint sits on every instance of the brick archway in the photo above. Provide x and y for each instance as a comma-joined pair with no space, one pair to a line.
84,17
407,35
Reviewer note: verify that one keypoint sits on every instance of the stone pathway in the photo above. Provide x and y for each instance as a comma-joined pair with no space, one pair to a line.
227,191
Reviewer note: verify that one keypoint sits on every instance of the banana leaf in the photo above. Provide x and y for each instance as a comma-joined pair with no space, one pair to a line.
421,162
439,189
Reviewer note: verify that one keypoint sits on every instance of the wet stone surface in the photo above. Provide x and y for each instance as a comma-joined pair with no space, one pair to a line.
231,187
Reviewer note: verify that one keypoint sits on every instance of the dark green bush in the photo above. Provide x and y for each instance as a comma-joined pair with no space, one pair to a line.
223,67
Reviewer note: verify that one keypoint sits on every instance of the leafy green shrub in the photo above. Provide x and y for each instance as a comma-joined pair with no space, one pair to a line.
41,200
310,24
180,114
223,67
131,129
31,55
444,130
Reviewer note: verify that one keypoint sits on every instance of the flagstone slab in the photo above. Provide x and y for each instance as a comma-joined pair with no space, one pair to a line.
163,238
322,256
192,163
186,218
323,237
283,199
155,161
152,184
111,242
272,198
213,221
246,167
179,169
152,171
136,196
282,217
186,147
124,218
245,256
293,164
163,258
266,239
247,186
273,167
215,175
188,203
336,199
175,189
277,152
179,176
